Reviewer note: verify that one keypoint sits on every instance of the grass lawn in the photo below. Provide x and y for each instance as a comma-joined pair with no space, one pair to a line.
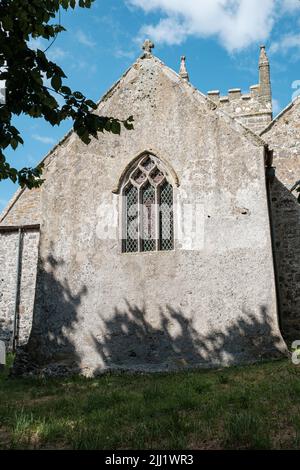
253,407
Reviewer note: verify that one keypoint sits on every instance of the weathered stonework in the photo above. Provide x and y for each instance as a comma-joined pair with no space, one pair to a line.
210,301
246,108
283,136
23,209
23,305
97,308
253,110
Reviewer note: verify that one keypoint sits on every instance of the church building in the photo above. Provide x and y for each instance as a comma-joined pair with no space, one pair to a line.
173,245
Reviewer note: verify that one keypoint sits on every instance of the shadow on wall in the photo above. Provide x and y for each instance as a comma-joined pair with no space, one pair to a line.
6,332
286,221
8,325
128,341
132,342
54,317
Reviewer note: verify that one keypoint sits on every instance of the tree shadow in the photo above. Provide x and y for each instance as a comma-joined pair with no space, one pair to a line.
6,330
130,339
285,213
8,325
131,342
54,318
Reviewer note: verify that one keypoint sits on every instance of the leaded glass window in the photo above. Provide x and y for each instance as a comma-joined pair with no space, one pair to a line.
148,222
131,240
166,217
148,218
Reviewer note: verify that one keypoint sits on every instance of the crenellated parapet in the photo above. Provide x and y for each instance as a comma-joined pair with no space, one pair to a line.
253,109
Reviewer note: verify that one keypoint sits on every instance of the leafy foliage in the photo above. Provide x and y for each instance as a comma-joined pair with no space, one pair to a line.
25,71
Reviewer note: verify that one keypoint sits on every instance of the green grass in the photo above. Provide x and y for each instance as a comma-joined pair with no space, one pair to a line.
250,407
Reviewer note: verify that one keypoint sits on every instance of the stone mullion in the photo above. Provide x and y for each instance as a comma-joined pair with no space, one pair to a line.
124,221
157,221
140,222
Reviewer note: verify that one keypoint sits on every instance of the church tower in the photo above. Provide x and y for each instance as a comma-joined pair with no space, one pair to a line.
264,77
253,109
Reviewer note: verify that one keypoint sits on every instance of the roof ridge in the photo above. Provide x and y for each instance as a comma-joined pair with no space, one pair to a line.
248,133
287,108
11,203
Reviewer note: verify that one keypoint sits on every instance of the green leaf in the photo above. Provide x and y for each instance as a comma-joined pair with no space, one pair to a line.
91,104
115,127
7,23
64,4
66,90
128,125
56,82
78,95
14,143
80,131
85,137
28,93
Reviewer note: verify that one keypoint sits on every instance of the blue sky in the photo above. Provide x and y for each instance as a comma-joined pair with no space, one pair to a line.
220,38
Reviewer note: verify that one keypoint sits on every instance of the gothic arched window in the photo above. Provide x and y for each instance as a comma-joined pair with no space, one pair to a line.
148,221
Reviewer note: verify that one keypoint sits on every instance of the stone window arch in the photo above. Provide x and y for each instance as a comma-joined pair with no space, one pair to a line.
148,195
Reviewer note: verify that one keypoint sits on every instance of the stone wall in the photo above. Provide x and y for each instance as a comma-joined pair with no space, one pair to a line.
253,110
247,108
286,229
210,301
23,209
9,242
283,136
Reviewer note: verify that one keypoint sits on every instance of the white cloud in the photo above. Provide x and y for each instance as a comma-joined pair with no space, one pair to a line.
56,53
236,23
81,64
287,42
168,31
84,39
123,54
291,5
37,43
43,139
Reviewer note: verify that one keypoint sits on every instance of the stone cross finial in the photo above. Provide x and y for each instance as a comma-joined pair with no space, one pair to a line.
183,71
147,47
